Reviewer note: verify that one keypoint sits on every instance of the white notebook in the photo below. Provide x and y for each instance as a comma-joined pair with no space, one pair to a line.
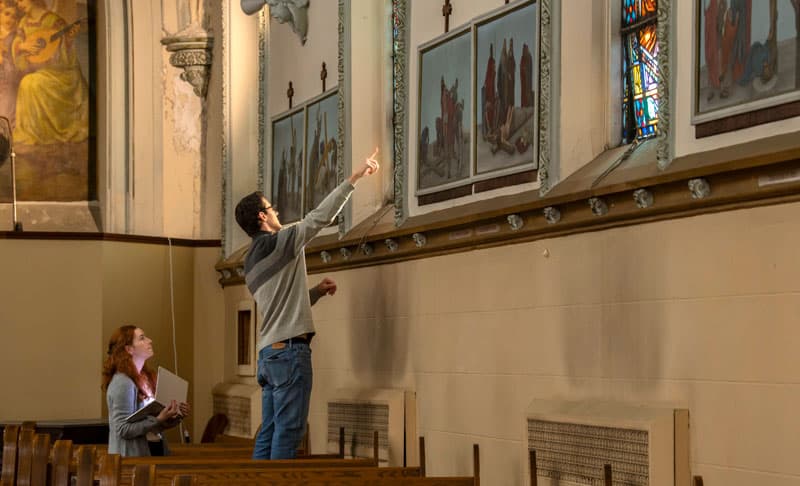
169,386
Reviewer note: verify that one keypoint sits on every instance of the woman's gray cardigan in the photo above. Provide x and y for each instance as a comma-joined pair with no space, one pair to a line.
128,439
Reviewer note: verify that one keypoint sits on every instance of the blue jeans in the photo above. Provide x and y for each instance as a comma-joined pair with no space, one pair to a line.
285,377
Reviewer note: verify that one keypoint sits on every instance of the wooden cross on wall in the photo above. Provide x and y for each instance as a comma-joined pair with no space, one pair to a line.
289,94
323,75
447,10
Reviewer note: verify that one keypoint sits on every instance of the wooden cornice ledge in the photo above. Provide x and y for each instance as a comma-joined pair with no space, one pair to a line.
746,175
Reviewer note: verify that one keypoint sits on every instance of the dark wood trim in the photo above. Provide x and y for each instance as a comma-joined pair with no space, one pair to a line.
746,120
740,177
479,186
445,195
506,180
75,236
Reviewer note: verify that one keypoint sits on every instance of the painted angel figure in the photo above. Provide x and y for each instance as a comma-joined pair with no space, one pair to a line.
293,11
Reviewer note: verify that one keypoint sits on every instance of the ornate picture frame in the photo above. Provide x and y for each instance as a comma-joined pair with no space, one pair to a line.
746,64
506,106
321,148
288,154
444,114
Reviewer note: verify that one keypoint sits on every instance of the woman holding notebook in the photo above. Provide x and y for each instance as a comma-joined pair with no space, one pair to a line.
129,384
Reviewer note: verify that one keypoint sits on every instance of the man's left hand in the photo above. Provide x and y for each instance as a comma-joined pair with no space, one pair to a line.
327,286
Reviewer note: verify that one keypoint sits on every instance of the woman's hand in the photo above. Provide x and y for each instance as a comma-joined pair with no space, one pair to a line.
168,413
184,410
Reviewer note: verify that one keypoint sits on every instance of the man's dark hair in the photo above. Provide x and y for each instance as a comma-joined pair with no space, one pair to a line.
247,213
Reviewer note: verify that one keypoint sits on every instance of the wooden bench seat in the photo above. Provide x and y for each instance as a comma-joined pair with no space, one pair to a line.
233,480
388,476
233,475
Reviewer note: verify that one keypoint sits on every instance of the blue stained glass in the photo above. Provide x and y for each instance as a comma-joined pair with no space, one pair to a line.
640,70
629,12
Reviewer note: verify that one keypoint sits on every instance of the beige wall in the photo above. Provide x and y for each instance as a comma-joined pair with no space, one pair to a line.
696,313
51,335
61,301
209,332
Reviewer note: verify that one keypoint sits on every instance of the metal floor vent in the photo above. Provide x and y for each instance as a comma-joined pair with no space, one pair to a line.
577,452
360,421
241,404
392,413
644,445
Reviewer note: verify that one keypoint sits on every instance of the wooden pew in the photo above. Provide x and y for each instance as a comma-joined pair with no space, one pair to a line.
62,457
239,448
190,480
215,456
390,476
41,458
25,456
110,470
9,474
172,466
33,453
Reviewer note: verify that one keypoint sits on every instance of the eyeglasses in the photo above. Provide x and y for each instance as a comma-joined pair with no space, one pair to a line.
264,210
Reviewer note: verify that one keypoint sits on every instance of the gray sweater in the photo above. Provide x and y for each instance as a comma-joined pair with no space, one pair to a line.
127,439
275,272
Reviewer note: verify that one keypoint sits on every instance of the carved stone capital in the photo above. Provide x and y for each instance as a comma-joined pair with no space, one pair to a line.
192,53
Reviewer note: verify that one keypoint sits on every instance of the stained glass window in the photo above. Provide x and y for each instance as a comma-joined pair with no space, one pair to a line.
639,69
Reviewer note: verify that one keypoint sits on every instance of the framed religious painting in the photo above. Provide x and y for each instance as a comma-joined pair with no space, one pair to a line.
321,135
444,122
47,78
507,78
746,61
287,164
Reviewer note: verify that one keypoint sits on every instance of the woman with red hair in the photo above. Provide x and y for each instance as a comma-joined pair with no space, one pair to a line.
129,384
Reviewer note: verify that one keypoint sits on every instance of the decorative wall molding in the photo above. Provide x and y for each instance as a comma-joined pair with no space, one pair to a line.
732,190
391,244
551,214
598,206
663,38
264,135
699,187
644,198
191,51
400,106
460,229
545,93
341,113
515,222
225,133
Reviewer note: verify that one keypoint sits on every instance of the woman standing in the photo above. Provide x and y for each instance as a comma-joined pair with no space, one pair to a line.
129,384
